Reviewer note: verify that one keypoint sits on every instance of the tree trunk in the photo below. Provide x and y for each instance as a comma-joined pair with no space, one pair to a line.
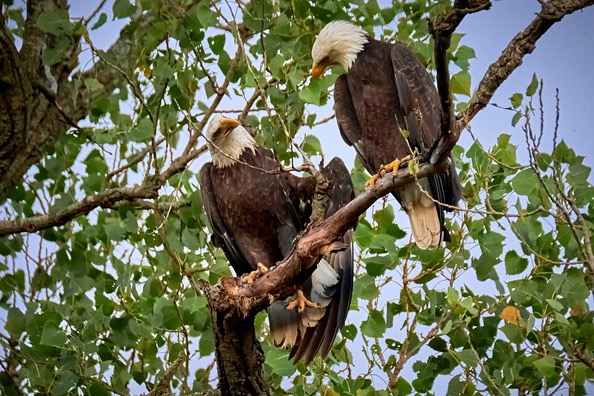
238,353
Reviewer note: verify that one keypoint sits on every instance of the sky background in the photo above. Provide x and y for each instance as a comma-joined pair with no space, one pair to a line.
563,58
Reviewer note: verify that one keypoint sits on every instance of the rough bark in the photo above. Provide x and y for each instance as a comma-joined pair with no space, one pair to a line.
238,353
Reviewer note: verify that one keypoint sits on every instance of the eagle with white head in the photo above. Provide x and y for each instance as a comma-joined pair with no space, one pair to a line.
256,210
385,94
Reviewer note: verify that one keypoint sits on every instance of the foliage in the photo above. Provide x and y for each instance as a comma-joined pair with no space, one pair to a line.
108,301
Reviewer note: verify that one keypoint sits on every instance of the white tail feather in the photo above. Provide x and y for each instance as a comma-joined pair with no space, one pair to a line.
426,228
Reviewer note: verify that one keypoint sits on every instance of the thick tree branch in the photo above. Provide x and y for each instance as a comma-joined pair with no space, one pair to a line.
442,29
109,199
104,199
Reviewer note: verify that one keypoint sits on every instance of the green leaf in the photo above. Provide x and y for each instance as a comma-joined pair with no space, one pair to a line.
531,90
453,296
142,132
364,235
460,83
98,389
546,366
516,118
516,100
56,22
206,15
278,362
525,182
467,356
102,19
52,335
574,289
190,240
312,93
514,264
349,332
556,305
93,84
374,325
55,54
377,265
16,322
311,145
123,9
365,288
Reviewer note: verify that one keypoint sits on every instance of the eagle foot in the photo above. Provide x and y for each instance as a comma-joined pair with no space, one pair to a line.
252,276
394,165
301,302
371,182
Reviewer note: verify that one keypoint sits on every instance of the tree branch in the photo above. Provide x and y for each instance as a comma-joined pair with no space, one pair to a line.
442,29
104,199
509,60
513,55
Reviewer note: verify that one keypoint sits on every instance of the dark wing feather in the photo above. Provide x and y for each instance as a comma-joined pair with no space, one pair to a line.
418,98
319,339
348,123
420,105
221,236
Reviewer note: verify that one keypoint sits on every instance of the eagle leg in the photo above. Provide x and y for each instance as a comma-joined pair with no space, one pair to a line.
394,165
252,276
301,301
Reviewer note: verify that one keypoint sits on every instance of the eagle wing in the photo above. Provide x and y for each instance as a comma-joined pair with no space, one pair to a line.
221,237
318,339
420,106
348,123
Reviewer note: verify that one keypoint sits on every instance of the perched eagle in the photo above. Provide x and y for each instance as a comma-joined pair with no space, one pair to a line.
386,90
256,210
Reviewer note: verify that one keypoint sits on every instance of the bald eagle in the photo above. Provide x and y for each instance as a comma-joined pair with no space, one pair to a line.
256,211
385,91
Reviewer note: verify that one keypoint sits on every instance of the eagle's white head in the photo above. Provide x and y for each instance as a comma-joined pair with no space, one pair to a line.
339,42
227,140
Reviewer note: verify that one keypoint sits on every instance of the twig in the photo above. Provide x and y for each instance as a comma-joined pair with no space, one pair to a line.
95,12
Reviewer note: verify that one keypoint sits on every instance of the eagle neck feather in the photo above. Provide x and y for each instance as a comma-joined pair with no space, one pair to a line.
228,151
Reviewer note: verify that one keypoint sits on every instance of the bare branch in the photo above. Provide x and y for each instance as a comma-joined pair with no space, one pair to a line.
513,55
511,58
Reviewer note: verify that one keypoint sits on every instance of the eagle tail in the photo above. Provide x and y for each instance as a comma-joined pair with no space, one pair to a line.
284,324
425,224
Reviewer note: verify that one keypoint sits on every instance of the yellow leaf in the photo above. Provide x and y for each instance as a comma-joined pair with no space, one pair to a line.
146,70
512,315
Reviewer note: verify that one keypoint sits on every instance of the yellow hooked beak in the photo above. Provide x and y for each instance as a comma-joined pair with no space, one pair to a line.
228,124
317,69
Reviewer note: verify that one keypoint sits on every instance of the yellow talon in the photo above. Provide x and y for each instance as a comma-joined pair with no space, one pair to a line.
252,276
301,301
394,165
371,181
